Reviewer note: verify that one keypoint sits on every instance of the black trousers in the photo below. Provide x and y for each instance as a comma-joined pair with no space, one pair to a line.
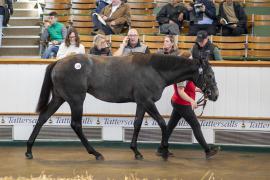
228,31
188,114
195,28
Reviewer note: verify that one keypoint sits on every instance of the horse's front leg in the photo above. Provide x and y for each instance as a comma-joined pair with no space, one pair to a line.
137,126
151,109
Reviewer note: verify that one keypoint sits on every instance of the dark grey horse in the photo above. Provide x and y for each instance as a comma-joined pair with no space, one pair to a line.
139,78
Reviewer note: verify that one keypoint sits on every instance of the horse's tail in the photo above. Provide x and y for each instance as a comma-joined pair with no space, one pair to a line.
46,89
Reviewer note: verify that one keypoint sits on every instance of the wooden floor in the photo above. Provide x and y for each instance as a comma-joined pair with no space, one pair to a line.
187,164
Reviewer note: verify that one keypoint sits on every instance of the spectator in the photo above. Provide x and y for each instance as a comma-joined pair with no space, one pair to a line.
232,18
116,16
202,16
71,45
100,5
169,46
101,47
131,44
204,48
54,31
6,9
170,18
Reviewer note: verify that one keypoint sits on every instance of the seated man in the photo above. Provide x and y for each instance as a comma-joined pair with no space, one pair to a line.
112,19
131,44
204,48
232,18
202,16
170,18
54,31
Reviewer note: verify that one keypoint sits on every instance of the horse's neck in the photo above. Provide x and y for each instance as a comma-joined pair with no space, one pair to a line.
180,74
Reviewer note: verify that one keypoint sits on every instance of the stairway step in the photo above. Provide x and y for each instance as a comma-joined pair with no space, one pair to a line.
20,40
24,5
24,21
25,13
19,51
21,30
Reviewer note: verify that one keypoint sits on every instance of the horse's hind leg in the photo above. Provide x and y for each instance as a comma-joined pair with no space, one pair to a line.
76,124
52,107
151,109
137,126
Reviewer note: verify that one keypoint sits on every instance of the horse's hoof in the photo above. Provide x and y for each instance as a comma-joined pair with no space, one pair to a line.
28,155
99,158
165,156
139,157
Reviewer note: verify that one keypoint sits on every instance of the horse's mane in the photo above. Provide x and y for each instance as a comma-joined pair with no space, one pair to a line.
169,62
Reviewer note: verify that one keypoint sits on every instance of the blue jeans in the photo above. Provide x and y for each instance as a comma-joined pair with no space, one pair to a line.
1,28
50,52
101,5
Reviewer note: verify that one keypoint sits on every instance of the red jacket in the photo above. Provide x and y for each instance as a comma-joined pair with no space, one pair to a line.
189,89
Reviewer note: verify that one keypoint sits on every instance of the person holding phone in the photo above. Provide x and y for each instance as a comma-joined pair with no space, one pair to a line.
131,44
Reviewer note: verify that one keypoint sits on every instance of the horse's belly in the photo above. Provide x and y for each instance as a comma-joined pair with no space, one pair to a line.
113,98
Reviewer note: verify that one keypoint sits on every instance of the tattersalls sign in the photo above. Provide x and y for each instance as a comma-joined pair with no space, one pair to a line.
128,122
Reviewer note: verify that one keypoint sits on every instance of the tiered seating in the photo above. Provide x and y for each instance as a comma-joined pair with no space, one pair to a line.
115,41
81,15
62,7
145,24
233,48
185,43
83,24
87,41
257,3
258,48
141,7
261,25
83,7
154,42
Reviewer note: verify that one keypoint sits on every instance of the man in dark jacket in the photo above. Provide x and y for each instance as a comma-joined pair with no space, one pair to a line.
203,48
170,18
232,18
202,16
6,9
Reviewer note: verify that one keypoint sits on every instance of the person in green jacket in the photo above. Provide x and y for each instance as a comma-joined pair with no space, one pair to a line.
55,32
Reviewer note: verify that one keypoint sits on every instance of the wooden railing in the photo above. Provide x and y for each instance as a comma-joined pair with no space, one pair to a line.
224,63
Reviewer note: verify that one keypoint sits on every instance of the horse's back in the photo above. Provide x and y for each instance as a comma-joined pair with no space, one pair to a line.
72,72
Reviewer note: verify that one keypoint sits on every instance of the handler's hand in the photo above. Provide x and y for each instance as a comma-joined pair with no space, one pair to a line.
194,105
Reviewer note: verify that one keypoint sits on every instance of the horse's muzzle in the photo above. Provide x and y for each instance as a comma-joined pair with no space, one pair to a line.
213,94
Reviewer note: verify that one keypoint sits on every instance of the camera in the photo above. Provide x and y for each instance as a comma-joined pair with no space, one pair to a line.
198,7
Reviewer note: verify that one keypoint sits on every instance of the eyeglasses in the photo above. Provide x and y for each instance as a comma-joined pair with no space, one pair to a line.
70,37
132,35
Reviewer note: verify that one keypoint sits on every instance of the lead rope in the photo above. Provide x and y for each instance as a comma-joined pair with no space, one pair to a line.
202,102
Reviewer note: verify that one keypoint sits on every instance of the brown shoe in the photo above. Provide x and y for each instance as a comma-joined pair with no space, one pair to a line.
212,152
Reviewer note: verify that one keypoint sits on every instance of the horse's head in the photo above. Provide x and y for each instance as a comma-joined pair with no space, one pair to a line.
206,80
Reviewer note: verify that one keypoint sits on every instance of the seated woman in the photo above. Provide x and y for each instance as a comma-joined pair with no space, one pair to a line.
101,47
71,45
169,46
